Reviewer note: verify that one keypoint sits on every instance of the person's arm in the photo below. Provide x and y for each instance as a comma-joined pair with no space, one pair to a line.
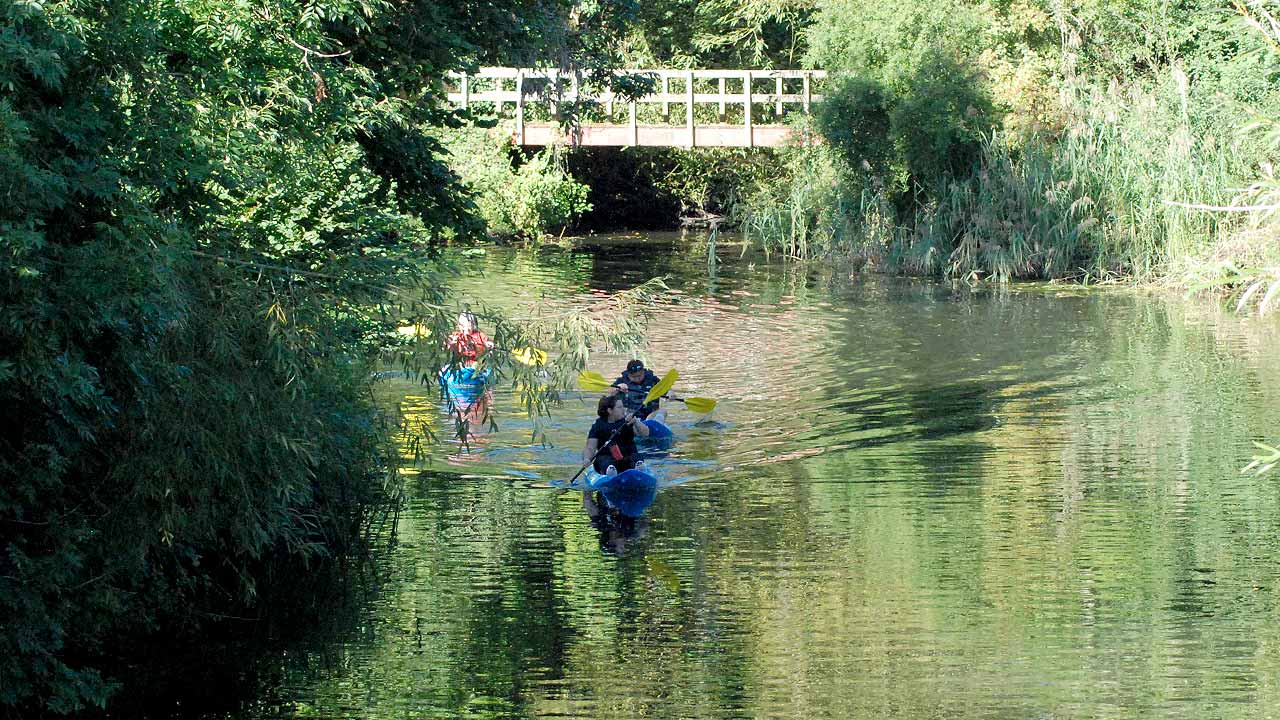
639,427
589,452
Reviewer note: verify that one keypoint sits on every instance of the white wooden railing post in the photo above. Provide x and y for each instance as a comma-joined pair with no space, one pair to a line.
721,98
778,108
635,129
746,106
688,109
807,139
520,105
466,91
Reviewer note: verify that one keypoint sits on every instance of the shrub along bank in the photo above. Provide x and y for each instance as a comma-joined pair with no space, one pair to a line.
515,195
1025,141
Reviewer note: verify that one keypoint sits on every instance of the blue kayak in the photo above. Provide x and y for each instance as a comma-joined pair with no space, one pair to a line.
660,436
630,491
463,382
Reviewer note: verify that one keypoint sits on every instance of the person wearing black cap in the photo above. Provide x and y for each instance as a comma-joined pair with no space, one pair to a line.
634,384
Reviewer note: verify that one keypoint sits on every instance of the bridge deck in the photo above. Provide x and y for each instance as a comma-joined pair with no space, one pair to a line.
719,135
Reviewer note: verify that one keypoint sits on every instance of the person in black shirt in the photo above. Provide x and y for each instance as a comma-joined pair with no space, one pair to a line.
611,442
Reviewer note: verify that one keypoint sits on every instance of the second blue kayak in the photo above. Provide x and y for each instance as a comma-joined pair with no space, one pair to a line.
660,435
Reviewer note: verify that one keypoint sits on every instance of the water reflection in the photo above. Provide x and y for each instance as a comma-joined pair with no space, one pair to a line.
472,418
618,514
916,501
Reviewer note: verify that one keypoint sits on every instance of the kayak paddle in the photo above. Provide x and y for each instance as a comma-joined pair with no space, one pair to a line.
662,387
595,382
592,381
530,356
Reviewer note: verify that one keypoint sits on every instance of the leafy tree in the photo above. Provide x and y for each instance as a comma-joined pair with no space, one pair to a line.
514,195
856,120
716,34
216,213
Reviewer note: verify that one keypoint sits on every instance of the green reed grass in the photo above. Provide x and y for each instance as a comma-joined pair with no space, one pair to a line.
1104,198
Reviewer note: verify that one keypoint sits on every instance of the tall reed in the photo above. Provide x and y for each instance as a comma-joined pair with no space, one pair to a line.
1103,198
816,210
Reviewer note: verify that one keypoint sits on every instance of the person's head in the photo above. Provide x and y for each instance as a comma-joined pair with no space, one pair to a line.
611,408
635,371
466,321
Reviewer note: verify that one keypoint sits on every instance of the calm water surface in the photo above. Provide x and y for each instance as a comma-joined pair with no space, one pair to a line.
914,501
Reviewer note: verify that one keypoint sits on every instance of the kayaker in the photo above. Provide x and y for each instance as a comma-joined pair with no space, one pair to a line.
466,341
610,458
633,385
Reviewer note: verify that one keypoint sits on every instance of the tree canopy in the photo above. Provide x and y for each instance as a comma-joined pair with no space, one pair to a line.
216,213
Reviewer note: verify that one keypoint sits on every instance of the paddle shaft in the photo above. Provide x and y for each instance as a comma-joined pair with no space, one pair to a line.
662,397
686,401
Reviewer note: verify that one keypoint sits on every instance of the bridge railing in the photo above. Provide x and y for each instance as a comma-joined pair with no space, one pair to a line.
522,88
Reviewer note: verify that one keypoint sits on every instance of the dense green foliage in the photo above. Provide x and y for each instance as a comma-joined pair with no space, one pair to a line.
515,195
716,34
215,214
1032,140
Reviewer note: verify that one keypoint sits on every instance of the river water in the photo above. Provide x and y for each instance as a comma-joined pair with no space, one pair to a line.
914,500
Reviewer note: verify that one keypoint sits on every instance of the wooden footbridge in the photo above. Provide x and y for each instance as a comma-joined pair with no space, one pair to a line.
721,108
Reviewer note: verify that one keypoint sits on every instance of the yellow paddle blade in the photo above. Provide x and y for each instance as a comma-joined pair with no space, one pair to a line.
700,405
592,381
530,356
414,330
662,387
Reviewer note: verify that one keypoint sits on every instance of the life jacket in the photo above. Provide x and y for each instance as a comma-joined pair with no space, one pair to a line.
469,345
634,397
